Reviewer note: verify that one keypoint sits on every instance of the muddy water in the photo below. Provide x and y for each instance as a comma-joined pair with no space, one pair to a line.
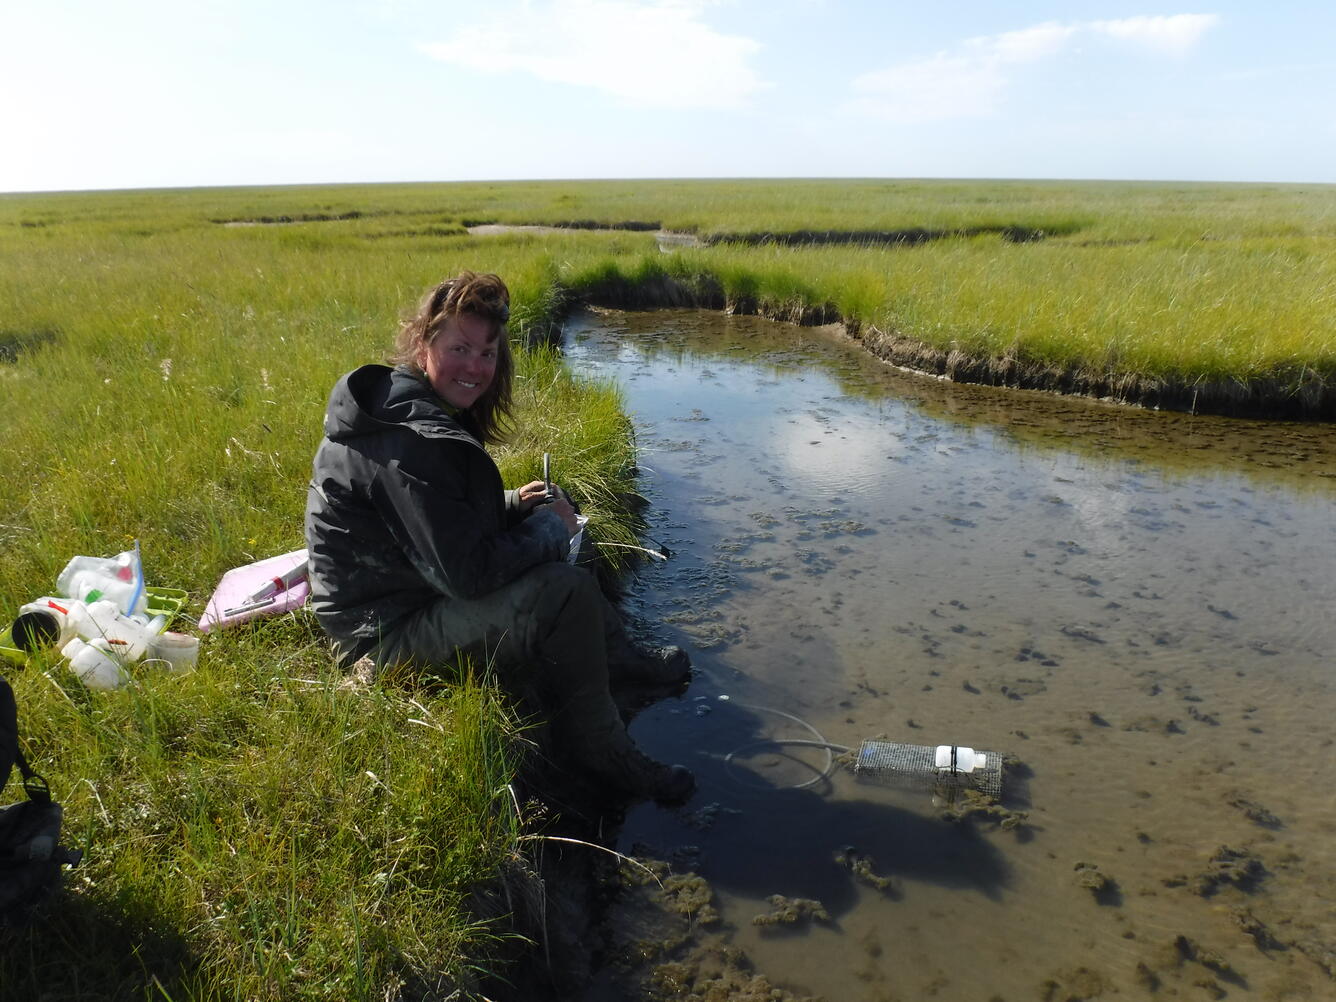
1137,606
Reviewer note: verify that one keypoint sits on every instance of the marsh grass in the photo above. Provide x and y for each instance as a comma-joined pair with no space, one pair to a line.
262,829
177,396
258,828
1252,313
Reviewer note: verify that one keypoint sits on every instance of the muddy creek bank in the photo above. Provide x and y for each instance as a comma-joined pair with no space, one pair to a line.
1136,606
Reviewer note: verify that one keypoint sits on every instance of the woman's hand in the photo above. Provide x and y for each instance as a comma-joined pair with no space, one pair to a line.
563,508
535,493
532,494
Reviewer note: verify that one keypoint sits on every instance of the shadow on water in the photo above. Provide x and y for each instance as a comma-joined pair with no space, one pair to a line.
754,854
770,836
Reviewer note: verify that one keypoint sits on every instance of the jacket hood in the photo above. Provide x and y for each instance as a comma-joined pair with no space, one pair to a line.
372,398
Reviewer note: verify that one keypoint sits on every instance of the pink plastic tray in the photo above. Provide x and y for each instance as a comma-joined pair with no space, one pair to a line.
241,582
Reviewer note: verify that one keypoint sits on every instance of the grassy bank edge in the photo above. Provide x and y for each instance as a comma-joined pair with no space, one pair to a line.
1297,391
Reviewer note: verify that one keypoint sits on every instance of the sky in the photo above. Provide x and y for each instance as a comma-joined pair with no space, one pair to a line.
169,93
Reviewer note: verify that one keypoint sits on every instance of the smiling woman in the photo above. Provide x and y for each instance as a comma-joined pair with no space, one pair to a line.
461,363
456,342
421,560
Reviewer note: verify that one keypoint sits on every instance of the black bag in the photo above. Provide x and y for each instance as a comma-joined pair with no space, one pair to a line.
9,732
30,852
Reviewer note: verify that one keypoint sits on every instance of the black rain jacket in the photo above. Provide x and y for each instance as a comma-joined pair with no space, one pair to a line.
405,506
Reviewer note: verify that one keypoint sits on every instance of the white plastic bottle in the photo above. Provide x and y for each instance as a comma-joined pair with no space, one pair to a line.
95,664
959,759
47,622
929,767
102,620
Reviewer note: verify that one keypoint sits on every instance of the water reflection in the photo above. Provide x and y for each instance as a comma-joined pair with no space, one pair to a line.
1135,605
1299,455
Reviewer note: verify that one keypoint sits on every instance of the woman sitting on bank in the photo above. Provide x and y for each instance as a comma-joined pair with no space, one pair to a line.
419,557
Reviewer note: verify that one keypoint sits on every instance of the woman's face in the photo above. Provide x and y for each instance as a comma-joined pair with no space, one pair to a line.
461,361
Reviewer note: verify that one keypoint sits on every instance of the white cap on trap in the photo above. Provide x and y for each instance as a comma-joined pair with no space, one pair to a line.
967,759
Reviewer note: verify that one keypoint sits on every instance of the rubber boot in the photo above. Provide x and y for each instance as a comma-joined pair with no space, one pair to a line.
651,666
589,728
629,663
597,740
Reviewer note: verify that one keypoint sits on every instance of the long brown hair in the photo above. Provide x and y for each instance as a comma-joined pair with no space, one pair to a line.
484,296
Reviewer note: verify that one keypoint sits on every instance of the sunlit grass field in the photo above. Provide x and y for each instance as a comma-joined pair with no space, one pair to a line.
260,828
1187,283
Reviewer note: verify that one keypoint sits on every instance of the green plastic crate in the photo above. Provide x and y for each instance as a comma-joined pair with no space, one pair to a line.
160,602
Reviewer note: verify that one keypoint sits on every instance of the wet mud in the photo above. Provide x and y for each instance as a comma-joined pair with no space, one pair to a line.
486,227
301,217
1134,607
911,236
668,240
1300,393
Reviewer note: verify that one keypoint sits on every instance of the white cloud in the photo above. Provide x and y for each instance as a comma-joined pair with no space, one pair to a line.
646,53
1027,44
971,80
1175,33
931,89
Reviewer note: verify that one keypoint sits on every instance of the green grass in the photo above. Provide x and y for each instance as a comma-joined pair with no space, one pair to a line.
164,376
1186,283
179,398
238,844
1251,309
1091,210
261,829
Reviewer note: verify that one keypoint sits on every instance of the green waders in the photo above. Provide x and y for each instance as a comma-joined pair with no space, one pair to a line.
545,631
